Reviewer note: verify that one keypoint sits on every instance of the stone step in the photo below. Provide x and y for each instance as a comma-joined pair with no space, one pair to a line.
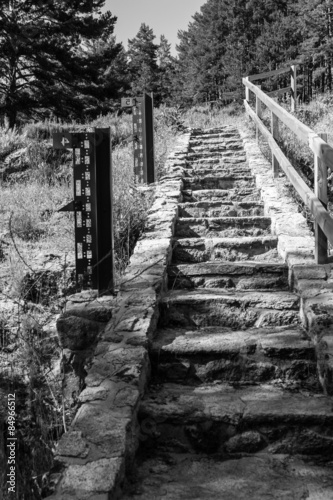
215,133
223,159
262,476
230,418
252,356
217,169
243,194
238,275
214,138
229,227
197,250
219,182
234,309
219,209
223,145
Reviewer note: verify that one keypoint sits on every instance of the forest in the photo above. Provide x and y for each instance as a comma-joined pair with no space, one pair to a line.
62,60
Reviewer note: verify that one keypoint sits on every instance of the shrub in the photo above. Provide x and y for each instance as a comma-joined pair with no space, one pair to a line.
26,225
10,140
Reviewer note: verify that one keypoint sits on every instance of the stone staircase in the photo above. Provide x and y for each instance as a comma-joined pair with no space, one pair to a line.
234,409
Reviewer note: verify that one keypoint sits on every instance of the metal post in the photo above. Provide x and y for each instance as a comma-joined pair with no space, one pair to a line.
143,137
104,209
148,138
320,189
92,206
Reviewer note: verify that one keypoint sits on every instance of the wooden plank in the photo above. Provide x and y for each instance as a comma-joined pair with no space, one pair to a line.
303,132
321,215
277,92
261,76
293,85
230,94
247,91
321,149
275,134
320,190
258,113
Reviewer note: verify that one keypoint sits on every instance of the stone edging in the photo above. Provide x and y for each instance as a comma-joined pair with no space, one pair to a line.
313,282
103,438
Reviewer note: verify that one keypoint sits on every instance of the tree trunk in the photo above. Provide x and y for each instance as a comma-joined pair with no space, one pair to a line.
11,116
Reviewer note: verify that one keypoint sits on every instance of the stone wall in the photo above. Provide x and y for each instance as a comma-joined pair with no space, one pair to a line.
93,455
313,282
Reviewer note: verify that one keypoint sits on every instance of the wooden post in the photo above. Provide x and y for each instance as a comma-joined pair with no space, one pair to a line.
258,113
247,91
275,134
320,189
293,85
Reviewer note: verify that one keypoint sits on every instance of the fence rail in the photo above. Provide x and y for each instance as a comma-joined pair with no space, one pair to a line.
323,156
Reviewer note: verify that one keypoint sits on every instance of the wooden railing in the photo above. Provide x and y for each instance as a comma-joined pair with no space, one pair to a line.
323,156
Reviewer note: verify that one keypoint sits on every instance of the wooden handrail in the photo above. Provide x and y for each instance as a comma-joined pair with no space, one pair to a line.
262,76
279,91
323,154
303,132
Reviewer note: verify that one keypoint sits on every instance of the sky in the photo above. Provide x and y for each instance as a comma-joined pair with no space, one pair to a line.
165,17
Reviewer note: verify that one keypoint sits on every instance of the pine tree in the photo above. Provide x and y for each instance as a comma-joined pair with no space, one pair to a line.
201,72
44,66
113,79
142,55
230,39
315,18
166,71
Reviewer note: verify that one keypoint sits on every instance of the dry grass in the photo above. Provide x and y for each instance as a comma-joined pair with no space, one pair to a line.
207,116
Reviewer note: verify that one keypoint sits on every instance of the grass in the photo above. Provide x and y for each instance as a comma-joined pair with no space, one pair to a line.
207,116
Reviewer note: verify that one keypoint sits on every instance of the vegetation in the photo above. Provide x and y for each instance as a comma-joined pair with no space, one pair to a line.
64,62
231,39
53,59
36,274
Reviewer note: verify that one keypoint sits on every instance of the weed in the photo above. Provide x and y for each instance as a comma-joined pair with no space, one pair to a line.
10,140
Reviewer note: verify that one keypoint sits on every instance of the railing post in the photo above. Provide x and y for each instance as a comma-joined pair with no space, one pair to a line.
247,91
275,134
320,189
293,86
258,113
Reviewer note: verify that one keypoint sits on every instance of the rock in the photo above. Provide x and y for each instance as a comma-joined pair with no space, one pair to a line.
89,306
72,444
77,333
247,442
99,476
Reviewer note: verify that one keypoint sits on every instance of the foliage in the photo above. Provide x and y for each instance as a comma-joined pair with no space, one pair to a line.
47,64
229,39
142,54
10,140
